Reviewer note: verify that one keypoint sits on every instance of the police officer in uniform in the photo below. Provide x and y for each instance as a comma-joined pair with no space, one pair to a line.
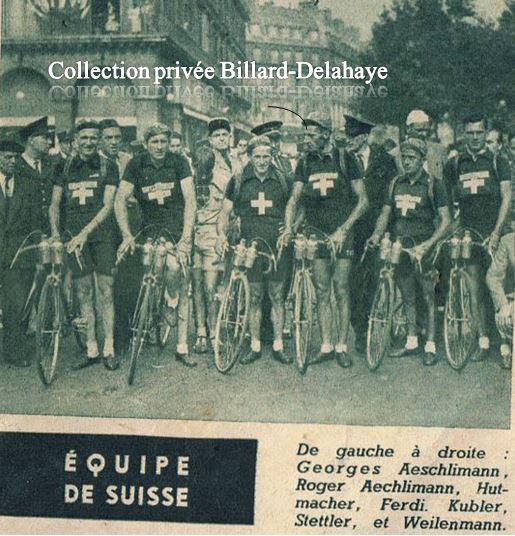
258,197
414,202
480,184
85,186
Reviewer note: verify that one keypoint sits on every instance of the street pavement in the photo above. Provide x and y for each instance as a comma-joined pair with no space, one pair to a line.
401,392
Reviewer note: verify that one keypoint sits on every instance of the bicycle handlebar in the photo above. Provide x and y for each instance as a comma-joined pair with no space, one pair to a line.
413,258
22,250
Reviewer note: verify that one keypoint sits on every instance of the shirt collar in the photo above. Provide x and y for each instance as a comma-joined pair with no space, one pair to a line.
30,161
421,175
475,156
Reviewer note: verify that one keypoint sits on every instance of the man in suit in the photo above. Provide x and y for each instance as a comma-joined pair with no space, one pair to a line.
379,168
29,199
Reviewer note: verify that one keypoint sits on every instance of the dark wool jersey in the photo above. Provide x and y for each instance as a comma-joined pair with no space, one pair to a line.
83,183
474,181
157,187
327,194
260,204
415,205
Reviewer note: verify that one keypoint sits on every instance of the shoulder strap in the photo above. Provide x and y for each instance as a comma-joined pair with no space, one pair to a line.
391,187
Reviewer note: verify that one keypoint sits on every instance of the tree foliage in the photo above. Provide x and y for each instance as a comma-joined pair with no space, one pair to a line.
442,57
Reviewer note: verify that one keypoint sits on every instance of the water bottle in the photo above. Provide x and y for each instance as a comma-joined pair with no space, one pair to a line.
395,256
45,255
300,247
386,245
311,248
57,249
251,255
239,253
455,248
466,245
161,253
148,250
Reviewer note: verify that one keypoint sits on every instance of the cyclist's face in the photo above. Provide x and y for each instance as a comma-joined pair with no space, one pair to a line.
411,162
175,146
87,141
261,159
492,141
314,138
475,135
220,139
7,161
111,139
157,146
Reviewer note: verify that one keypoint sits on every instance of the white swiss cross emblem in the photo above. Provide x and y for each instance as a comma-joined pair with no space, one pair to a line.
159,191
407,202
83,190
323,182
474,180
261,203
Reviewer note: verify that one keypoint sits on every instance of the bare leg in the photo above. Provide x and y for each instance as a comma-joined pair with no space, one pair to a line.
322,280
84,286
256,297
275,291
106,310
198,299
342,294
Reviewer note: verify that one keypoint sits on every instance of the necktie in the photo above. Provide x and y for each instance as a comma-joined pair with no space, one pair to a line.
38,166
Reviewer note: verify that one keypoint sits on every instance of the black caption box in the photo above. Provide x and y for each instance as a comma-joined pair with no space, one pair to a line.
218,475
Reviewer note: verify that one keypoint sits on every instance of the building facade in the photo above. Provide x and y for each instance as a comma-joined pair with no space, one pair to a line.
308,33
137,32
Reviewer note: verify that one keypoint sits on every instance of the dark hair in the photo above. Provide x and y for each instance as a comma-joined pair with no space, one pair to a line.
175,135
108,123
474,117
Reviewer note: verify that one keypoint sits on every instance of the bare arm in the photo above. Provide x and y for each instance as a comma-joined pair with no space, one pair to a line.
291,207
504,208
55,210
190,209
223,218
496,275
382,223
125,190
443,226
104,212
361,207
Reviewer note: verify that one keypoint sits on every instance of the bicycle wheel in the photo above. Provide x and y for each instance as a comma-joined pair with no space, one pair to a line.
231,323
140,328
162,326
458,329
48,331
399,321
379,323
303,319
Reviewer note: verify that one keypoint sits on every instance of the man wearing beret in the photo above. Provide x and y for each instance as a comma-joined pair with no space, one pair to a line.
84,187
414,202
379,168
480,184
14,203
214,170
329,185
258,196
162,183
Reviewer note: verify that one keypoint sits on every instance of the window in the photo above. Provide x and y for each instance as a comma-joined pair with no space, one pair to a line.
204,24
257,54
313,36
274,56
298,56
254,29
272,31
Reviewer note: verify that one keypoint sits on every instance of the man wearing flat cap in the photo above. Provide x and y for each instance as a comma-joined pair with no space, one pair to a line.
379,168
84,187
415,201
214,170
329,184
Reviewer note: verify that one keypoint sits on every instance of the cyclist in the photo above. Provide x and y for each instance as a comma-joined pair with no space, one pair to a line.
84,187
272,130
258,196
163,185
480,186
415,200
327,180
210,188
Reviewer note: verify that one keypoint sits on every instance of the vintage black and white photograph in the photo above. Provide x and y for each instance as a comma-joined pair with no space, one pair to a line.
282,211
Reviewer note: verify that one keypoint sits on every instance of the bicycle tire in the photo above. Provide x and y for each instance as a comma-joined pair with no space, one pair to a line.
139,328
48,332
303,319
458,329
233,315
78,332
162,327
399,330
379,323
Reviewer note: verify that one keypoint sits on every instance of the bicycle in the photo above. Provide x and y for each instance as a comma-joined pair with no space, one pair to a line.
387,318
232,319
148,318
53,313
459,330
302,294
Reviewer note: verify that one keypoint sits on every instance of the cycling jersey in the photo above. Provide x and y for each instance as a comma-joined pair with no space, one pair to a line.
327,192
415,205
157,187
83,183
474,180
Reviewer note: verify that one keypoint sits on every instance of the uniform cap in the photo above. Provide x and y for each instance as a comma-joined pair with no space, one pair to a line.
108,123
320,120
83,125
355,127
36,128
64,135
414,144
219,123
258,141
417,116
270,129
